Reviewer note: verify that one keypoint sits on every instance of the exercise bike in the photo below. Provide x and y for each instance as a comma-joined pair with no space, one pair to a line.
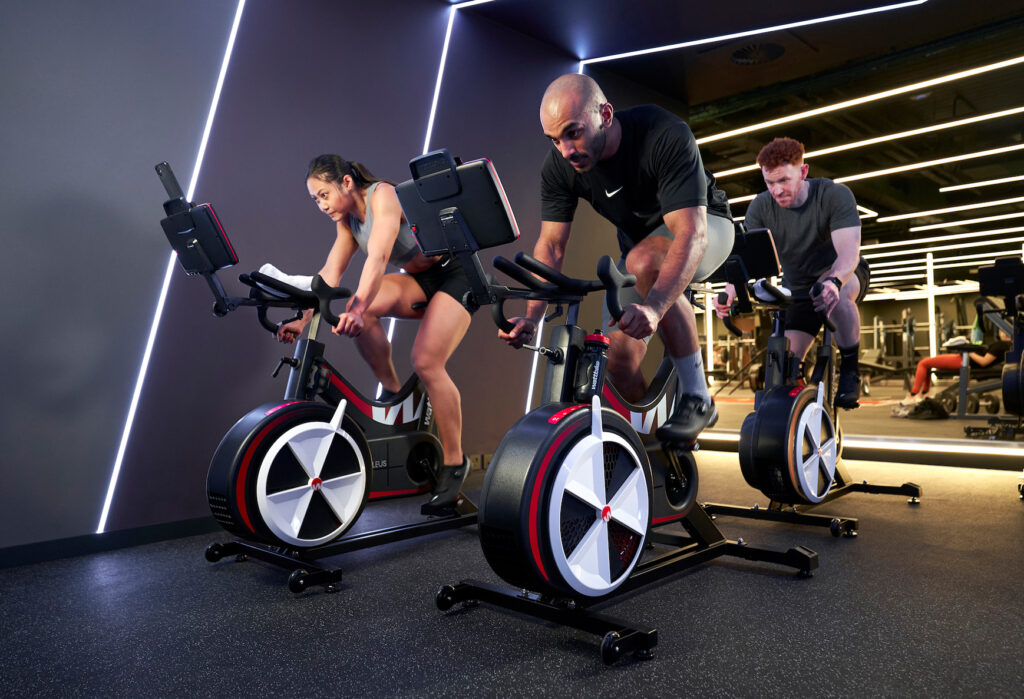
570,496
790,447
292,476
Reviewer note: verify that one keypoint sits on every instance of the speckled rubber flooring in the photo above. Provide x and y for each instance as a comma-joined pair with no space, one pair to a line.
925,602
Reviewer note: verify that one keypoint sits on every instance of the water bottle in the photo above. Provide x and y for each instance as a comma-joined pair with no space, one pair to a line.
591,367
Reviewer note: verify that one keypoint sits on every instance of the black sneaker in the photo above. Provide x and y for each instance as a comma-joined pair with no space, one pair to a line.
445,495
848,390
688,420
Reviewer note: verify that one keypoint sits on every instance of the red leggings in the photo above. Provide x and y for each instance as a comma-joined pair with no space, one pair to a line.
923,377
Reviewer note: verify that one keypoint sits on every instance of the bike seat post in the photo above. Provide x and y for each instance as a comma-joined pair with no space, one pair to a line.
302,381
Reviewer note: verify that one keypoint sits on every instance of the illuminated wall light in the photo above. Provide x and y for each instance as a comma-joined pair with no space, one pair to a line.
918,251
911,295
940,238
884,280
902,264
749,32
985,183
864,100
740,200
892,137
141,379
865,212
965,222
951,209
896,444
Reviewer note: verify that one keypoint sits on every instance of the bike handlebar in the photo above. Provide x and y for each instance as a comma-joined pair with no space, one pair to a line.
556,287
781,299
319,296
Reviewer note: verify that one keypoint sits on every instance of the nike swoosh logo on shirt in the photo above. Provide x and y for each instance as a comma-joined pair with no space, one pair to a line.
612,193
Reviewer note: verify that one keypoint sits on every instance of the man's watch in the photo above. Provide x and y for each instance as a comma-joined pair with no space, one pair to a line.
835,280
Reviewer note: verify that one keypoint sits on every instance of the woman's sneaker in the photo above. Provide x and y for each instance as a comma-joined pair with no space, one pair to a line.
445,494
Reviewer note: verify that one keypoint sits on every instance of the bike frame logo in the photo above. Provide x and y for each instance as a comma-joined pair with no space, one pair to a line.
408,409
643,422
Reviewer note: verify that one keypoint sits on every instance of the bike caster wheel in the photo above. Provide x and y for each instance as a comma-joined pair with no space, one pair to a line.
835,528
445,598
610,649
914,501
297,580
214,552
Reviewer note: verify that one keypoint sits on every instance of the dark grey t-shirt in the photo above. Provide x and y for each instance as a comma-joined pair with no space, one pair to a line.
803,235
657,169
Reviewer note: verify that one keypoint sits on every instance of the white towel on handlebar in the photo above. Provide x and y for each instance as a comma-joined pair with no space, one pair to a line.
298,281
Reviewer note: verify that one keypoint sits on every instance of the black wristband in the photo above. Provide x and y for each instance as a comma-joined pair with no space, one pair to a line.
835,280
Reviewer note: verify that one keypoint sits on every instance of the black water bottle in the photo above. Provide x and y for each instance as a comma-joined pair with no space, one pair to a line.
591,367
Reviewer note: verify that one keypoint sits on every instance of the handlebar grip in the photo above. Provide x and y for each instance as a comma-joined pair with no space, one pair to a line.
815,290
327,293
261,315
516,272
613,280
534,265
723,298
498,315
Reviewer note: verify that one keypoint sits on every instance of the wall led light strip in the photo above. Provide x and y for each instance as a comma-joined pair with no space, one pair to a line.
930,163
952,209
918,251
940,238
864,100
749,32
130,419
893,137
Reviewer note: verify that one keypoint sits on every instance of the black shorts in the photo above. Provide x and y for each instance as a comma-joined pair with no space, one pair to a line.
446,276
802,316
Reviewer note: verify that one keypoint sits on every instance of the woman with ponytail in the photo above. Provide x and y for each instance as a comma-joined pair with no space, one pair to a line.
367,216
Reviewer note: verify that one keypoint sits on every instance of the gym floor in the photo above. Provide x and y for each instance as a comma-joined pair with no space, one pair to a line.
924,602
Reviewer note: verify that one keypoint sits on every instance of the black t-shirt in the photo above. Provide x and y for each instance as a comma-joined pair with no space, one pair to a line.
803,235
656,169
998,349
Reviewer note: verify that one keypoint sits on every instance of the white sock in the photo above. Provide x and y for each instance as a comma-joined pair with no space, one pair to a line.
690,372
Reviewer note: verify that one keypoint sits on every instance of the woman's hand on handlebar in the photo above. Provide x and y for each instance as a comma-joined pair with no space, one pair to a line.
350,323
289,332
524,330
722,309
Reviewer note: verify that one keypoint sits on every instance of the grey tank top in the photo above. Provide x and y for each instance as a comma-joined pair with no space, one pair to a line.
404,248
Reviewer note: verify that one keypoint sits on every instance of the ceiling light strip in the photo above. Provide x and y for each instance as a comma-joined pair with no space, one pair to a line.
952,209
864,100
918,251
892,137
940,238
749,32
965,222
984,183
930,163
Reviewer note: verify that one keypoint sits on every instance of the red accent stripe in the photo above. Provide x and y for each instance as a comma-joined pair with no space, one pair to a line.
535,498
283,405
557,417
352,397
614,403
246,460
222,233
660,520
396,493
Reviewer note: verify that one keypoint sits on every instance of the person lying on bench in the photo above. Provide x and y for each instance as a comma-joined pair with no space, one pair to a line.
923,379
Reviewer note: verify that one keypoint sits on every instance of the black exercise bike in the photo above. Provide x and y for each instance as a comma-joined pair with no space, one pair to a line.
293,475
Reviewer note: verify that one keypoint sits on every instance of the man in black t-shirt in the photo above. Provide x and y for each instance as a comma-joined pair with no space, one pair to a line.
816,229
640,169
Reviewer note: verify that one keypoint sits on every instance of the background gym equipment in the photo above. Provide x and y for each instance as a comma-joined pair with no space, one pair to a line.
790,446
1006,279
570,496
292,476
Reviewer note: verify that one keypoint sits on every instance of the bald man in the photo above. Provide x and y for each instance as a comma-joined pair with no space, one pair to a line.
640,169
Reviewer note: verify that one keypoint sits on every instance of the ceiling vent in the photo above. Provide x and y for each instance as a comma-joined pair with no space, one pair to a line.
757,54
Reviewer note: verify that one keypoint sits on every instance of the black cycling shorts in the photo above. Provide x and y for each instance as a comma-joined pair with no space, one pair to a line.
802,316
447,276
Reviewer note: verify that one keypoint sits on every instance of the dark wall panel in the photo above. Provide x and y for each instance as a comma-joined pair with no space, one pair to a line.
94,95
345,77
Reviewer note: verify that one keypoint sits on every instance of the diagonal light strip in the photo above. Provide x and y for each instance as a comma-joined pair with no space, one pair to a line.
940,238
985,183
863,100
930,163
950,224
894,137
749,32
141,379
951,209
917,251
972,256
866,212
